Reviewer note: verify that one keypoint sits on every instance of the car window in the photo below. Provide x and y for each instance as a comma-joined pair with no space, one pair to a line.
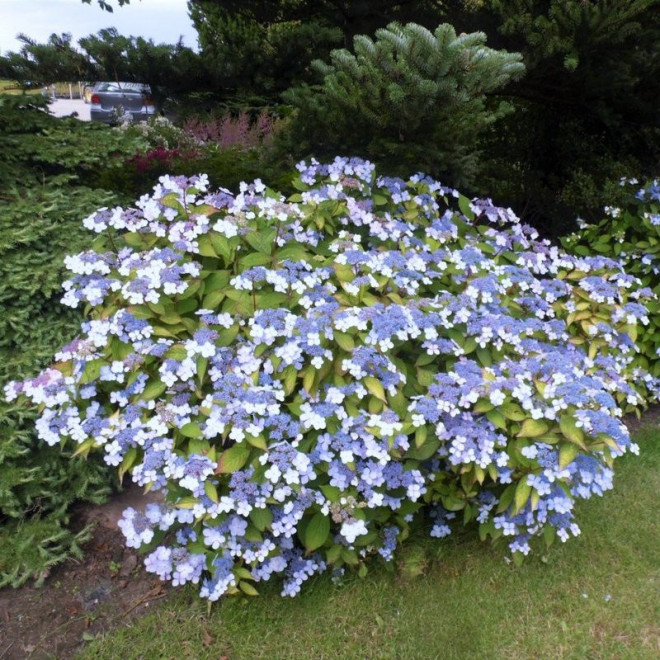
126,88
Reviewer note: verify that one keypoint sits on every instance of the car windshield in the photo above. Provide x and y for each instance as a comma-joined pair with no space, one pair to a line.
127,88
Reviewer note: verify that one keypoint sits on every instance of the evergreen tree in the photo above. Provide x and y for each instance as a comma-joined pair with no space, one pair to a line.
254,56
586,112
410,100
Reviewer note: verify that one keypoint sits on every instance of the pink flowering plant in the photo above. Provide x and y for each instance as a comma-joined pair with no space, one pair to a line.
306,380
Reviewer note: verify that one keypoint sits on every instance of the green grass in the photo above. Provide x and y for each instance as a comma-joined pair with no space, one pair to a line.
61,89
597,596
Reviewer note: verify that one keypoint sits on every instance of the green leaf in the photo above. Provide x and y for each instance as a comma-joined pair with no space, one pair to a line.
191,430
177,352
375,387
425,377
127,462
421,434
464,206
292,252
254,259
497,418
213,298
259,442
206,247
344,341
261,518
271,300
316,532
227,336
532,428
92,370
570,430
452,503
482,406
211,491
567,454
262,241
218,279
424,452
247,588
512,411
331,493
399,404
425,359
484,356
523,491
233,459
153,390
223,247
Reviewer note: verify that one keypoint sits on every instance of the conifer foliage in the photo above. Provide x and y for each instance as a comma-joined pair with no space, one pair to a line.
409,98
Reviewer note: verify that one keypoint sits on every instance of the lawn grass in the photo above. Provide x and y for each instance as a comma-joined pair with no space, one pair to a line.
597,596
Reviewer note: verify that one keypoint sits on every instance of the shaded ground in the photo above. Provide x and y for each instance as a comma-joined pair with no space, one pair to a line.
81,600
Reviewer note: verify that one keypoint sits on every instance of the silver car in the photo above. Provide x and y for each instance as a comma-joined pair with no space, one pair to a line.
115,102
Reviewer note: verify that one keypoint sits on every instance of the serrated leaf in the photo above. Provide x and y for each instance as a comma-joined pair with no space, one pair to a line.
261,241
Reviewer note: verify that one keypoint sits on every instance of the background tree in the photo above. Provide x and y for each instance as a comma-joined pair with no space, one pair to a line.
410,99
43,64
252,55
586,111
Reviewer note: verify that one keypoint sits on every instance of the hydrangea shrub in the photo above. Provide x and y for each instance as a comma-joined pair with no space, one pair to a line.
630,232
307,379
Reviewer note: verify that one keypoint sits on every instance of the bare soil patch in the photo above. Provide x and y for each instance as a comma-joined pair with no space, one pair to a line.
80,599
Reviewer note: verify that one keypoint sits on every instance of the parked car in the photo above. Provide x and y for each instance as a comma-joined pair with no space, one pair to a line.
112,102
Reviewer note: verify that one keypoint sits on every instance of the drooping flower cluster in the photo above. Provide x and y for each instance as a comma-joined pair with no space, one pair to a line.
307,378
